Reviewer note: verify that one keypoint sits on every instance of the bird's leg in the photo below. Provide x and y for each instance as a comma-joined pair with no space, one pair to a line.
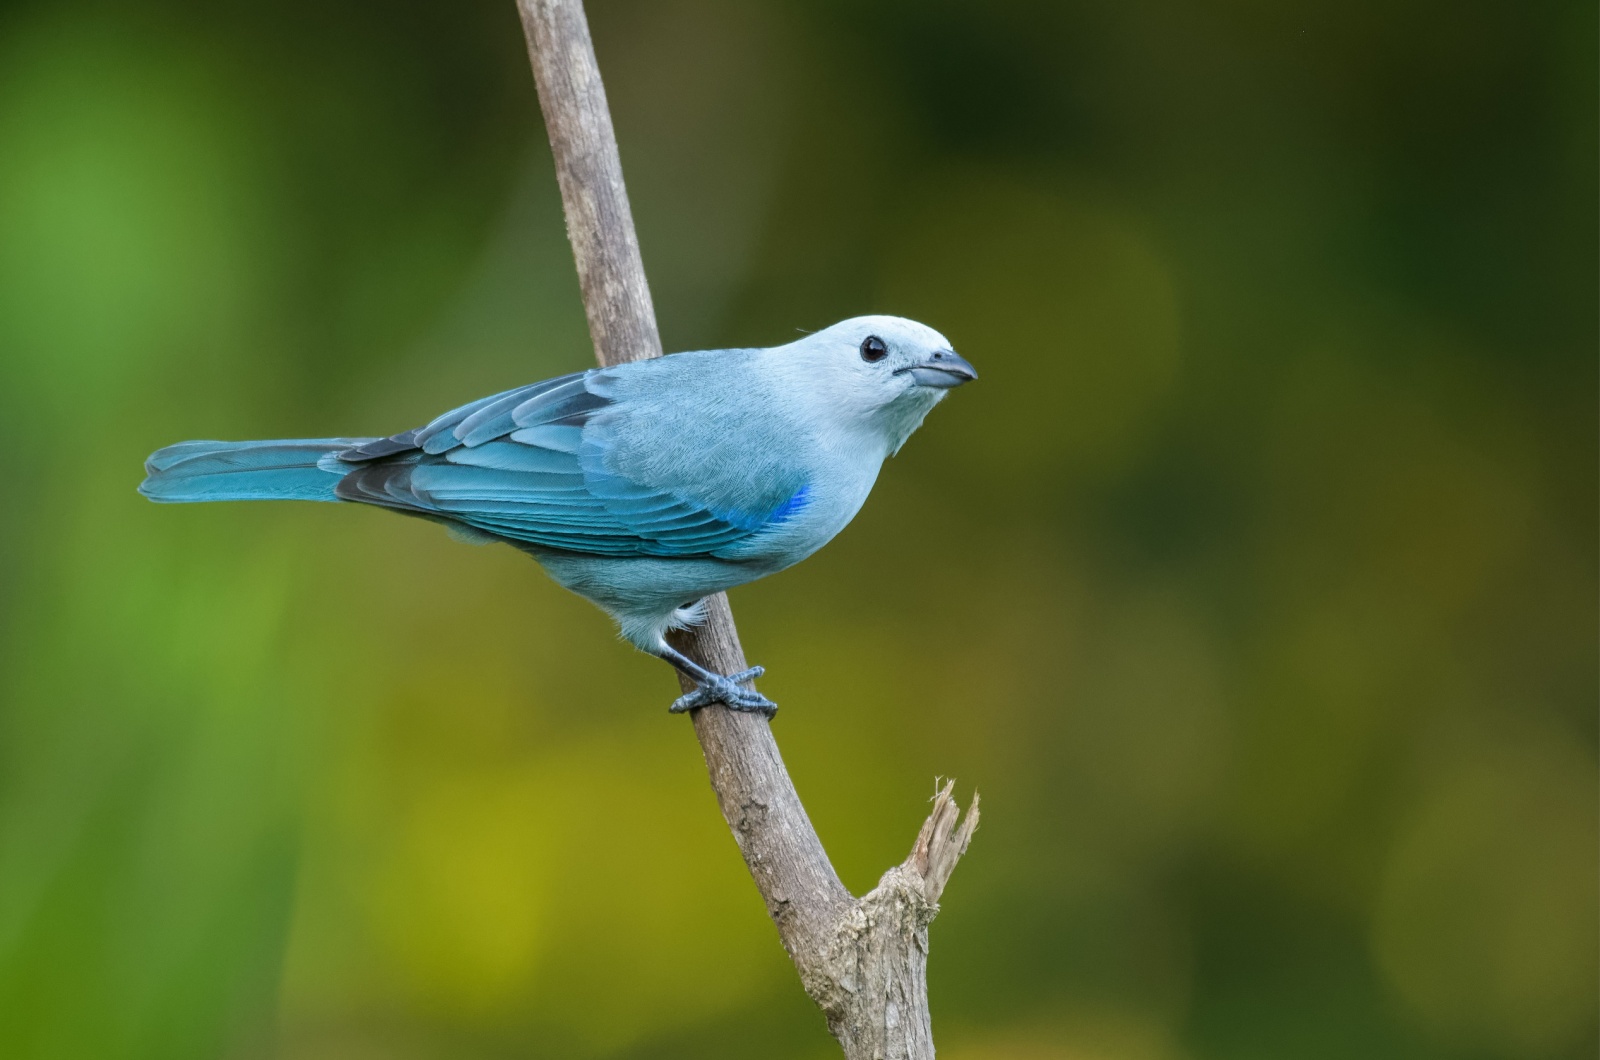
715,688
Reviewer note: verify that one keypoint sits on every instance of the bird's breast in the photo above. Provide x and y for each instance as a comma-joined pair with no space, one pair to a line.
831,497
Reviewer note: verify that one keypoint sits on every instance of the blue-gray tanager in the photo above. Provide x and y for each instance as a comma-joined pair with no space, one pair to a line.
644,487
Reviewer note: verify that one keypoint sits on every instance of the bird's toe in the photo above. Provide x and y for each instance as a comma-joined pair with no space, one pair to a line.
729,691
754,703
690,701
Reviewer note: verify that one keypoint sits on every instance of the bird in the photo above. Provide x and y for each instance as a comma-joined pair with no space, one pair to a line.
644,487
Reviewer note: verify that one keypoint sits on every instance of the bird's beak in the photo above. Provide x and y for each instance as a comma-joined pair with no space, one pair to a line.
942,370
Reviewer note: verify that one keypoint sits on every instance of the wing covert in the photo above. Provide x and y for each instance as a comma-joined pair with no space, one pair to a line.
524,465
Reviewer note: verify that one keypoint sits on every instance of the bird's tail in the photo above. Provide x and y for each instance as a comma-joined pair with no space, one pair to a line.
287,469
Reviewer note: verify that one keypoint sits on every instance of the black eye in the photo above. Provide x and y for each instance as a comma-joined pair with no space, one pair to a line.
873,349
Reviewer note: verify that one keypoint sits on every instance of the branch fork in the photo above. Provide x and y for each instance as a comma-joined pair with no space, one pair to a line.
871,979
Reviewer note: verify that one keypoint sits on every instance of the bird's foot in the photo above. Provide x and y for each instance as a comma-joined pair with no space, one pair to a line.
714,688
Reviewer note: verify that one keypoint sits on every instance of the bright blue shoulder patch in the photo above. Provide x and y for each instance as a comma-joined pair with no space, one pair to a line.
793,506
761,521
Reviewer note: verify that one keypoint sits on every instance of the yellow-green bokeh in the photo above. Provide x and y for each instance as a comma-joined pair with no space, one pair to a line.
1254,584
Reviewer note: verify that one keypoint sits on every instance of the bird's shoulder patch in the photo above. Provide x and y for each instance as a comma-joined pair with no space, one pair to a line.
770,517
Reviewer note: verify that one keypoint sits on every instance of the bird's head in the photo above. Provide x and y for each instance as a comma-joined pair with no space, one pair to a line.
880,372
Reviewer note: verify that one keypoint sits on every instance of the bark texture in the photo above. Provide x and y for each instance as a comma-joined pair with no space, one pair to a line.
862,960
616,295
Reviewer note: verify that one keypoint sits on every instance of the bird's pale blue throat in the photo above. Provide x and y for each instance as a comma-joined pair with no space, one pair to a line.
644,487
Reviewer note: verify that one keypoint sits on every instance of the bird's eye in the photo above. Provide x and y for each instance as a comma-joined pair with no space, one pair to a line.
873,349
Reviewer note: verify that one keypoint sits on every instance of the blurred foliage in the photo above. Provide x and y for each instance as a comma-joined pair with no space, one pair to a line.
1254,585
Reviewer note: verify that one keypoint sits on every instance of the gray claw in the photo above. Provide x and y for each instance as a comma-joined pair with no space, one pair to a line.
729,691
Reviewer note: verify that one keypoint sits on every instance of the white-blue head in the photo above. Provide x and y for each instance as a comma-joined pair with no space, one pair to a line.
880,373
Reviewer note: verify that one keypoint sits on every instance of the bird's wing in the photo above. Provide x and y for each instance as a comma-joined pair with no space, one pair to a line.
539,466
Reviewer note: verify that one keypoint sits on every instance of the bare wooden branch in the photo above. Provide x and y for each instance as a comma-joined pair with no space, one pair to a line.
863,961
616,295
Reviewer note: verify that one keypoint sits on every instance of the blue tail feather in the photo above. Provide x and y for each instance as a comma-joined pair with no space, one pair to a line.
285,469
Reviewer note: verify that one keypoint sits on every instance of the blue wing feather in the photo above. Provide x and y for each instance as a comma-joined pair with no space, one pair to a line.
485,418
545,436
514,456
521,466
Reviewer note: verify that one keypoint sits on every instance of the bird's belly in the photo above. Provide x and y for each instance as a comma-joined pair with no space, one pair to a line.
640,584
642,591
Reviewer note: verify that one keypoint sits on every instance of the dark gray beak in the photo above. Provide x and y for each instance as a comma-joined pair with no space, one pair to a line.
942,370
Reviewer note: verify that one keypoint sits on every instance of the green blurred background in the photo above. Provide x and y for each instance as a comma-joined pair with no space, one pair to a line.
1254,586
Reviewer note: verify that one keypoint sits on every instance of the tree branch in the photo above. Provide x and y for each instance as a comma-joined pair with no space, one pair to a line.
864,961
